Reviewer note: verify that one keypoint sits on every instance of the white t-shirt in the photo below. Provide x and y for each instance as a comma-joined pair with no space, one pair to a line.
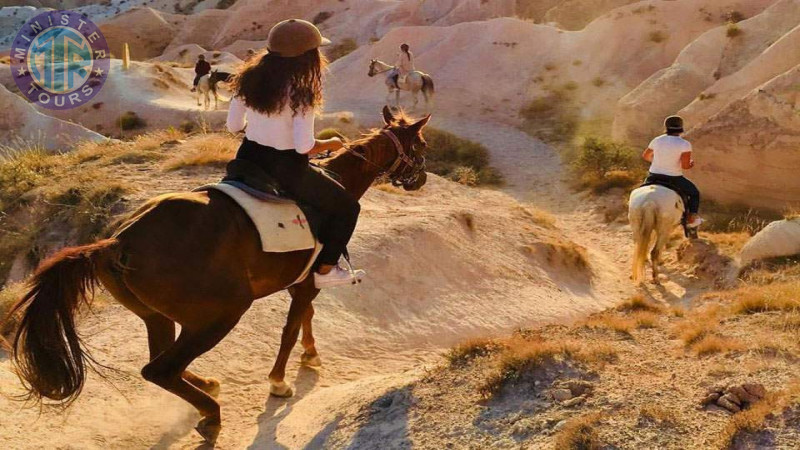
281,131
667,151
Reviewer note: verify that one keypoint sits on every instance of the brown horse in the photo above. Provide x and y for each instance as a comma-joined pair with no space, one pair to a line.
194,259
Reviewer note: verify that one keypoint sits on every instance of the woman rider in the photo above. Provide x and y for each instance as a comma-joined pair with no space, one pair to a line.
404,64
669,155
275,98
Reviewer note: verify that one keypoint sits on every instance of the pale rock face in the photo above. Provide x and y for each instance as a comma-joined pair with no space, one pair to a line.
781,238
19,120
711,57
148,32
749,152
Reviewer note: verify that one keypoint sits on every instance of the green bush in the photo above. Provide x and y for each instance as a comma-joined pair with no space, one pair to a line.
342,49
599,156
602,164
328,133
553,117
459,159
130,121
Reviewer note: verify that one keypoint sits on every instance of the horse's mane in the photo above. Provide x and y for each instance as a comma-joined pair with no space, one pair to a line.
362,144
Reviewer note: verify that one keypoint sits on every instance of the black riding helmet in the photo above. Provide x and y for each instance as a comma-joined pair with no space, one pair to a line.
674,124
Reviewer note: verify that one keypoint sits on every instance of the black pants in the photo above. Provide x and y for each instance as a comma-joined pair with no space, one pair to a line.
197,78
681,183
310,187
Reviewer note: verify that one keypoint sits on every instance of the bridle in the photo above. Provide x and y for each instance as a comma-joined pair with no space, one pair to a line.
404,170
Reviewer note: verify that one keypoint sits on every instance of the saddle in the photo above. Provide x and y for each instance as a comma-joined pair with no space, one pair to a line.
655,179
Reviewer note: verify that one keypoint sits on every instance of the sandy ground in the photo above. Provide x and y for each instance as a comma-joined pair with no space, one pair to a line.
440,284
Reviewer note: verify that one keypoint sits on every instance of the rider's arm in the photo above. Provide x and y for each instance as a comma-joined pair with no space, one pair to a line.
304,142
236,116
647,155
686,160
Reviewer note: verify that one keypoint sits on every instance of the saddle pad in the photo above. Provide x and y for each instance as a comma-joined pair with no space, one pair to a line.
282,225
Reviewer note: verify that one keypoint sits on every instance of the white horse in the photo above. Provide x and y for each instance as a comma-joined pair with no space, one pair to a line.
415,82
653,211
207,85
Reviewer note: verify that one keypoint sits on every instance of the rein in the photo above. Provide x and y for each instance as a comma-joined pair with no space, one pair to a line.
398,177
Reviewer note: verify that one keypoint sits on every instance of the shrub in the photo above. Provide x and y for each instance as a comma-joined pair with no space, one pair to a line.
598,82
130,121
342,49
782,297
733,30
599,156
225,4
329,133
469,350
552,117
455,158
579,434
321,16
657,36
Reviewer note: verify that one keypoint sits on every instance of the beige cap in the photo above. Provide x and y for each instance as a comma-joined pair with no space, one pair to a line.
294,37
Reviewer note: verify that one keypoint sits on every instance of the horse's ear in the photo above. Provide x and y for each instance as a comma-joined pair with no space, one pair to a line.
420,124
388,117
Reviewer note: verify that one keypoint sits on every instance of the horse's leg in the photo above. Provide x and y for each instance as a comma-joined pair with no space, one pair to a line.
160,329
397,98
199,94
167,370
655,254
160,336
415,93
310,356
302,295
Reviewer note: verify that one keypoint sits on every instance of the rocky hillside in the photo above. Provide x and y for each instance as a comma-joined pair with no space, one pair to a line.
736,85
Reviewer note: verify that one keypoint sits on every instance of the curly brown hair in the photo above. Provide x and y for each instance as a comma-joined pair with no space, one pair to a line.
264,81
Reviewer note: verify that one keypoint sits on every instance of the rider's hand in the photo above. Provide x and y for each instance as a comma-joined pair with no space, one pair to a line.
335,144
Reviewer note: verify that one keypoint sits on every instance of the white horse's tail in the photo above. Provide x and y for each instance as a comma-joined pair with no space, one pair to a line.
643,223
427,86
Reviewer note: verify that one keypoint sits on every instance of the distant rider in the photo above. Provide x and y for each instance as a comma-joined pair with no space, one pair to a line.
404,65
669,155
201,68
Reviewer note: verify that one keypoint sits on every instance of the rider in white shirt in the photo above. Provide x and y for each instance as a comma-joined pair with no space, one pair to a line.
404,64
669,155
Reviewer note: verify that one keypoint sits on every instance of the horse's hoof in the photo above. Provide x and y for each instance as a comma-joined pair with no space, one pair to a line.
209,428
310,361
212,388
281,390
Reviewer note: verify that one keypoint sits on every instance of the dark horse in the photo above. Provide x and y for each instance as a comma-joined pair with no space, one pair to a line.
193,259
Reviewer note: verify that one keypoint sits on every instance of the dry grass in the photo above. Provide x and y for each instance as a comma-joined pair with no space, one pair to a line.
579,434
523,356
639,303
783,297
622,325
471,349
538,216
711,344
204,150
659,415
646,319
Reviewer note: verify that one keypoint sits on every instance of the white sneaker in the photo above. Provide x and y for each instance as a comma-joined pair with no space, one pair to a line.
696,222
338,276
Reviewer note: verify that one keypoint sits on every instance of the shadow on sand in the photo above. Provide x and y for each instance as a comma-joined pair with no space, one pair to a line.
277,408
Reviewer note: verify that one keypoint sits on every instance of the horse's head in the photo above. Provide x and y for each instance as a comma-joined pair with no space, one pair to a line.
407,166
372,71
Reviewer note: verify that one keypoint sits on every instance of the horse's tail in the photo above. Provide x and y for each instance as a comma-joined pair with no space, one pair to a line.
427,85
643,222
47,350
